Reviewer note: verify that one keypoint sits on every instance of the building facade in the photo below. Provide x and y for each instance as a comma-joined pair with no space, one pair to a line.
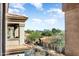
15,32
15,29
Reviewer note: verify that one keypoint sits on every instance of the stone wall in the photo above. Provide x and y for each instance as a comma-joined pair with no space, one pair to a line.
72,32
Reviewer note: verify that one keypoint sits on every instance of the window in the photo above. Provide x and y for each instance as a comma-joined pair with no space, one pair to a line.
13,31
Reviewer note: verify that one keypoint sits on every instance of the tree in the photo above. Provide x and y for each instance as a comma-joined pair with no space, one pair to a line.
34,35
47,33
55,31
28,31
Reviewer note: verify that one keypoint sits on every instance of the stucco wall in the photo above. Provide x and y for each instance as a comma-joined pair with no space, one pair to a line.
72,32
12,42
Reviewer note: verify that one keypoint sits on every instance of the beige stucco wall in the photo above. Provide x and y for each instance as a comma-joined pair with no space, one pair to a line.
12,42
22,37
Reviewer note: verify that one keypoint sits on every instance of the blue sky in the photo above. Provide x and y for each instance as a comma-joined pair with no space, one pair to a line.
40,15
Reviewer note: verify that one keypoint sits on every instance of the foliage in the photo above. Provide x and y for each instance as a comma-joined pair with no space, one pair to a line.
47,33
59,40
29,31
57,36
34,35
55,31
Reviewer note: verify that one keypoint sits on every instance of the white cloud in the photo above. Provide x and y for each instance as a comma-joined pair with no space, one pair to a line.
39,6
18,5
44,21
36,20
13,10
17,8
55,11
50,21
40,24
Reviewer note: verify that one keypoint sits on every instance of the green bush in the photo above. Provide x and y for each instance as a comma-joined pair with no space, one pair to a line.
34,35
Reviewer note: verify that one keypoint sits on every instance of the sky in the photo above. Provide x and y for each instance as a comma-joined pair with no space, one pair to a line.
40,15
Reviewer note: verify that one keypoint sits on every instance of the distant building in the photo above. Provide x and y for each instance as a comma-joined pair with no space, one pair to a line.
15,29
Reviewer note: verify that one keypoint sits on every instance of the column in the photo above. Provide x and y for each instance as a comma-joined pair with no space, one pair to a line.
21,41
17,32
11,32
72,32
0,31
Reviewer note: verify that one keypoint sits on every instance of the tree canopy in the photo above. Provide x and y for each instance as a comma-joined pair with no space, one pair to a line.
56,31
34,35
47,33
